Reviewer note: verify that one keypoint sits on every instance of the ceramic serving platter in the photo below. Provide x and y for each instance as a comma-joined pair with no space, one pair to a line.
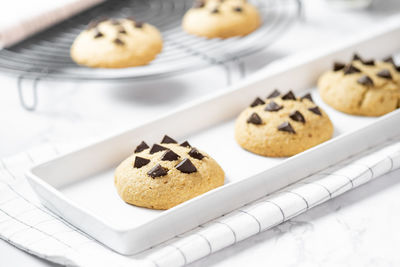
79,186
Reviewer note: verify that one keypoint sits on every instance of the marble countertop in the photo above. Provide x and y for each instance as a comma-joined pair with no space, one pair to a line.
356,229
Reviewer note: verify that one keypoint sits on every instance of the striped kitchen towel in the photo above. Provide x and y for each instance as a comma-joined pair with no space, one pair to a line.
25,223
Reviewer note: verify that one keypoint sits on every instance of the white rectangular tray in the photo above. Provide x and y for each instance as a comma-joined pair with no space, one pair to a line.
79,186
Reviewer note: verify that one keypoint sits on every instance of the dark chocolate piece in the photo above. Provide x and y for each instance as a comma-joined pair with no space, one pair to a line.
215,11
157,148
254,119
168,140
315,110
349,69
275,93
169,156
118,41
338,66
385,74
122,30
238,9
286,127
297,116
357,57
369,62
140,162
194,153
198,4
307,96
157,171
365,80
138,24
273,107
186,166
289,96
142,146
98,34
186,144
389,59
258,101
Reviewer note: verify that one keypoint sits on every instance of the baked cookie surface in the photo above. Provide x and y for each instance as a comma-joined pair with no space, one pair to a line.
166,174
282,125
116,43
221,18
362,87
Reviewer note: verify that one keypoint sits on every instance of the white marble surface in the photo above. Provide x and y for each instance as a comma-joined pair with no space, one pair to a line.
357,229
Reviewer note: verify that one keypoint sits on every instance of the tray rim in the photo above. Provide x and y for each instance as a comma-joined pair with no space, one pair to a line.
265,74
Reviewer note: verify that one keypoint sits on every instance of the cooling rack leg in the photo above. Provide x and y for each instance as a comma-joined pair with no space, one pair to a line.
22,97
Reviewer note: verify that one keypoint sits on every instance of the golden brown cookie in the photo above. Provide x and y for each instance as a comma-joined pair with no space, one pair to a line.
221,18
362,87
282,125
116,43
166,174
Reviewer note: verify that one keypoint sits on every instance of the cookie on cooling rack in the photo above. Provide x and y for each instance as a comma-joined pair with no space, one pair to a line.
116,43
221,18
362,87
282,125
166,174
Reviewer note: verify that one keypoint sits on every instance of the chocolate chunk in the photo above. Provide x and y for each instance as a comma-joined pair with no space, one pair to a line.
286,127
118,41
315,110
397,68
338,66
169,156
272,106
357,57
140,162
168,140
349,69
198,4
385,74
369,62
186,166
186,144
365,80
215,11
122,30
297,116
258,101
157,171
254,119
307,96
157,148
275,93
389,59
98,34
238,9
289,96
194,153
138,24
142,146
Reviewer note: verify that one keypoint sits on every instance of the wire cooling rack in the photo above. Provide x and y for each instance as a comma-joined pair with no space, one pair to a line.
46,55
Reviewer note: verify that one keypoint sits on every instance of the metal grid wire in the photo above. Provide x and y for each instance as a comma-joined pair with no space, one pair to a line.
46,55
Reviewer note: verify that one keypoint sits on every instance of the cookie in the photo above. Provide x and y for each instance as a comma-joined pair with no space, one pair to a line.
282,125
362,87
221,18
113,43
166,174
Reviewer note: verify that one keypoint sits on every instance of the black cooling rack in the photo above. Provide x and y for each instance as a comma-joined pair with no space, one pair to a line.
46,54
